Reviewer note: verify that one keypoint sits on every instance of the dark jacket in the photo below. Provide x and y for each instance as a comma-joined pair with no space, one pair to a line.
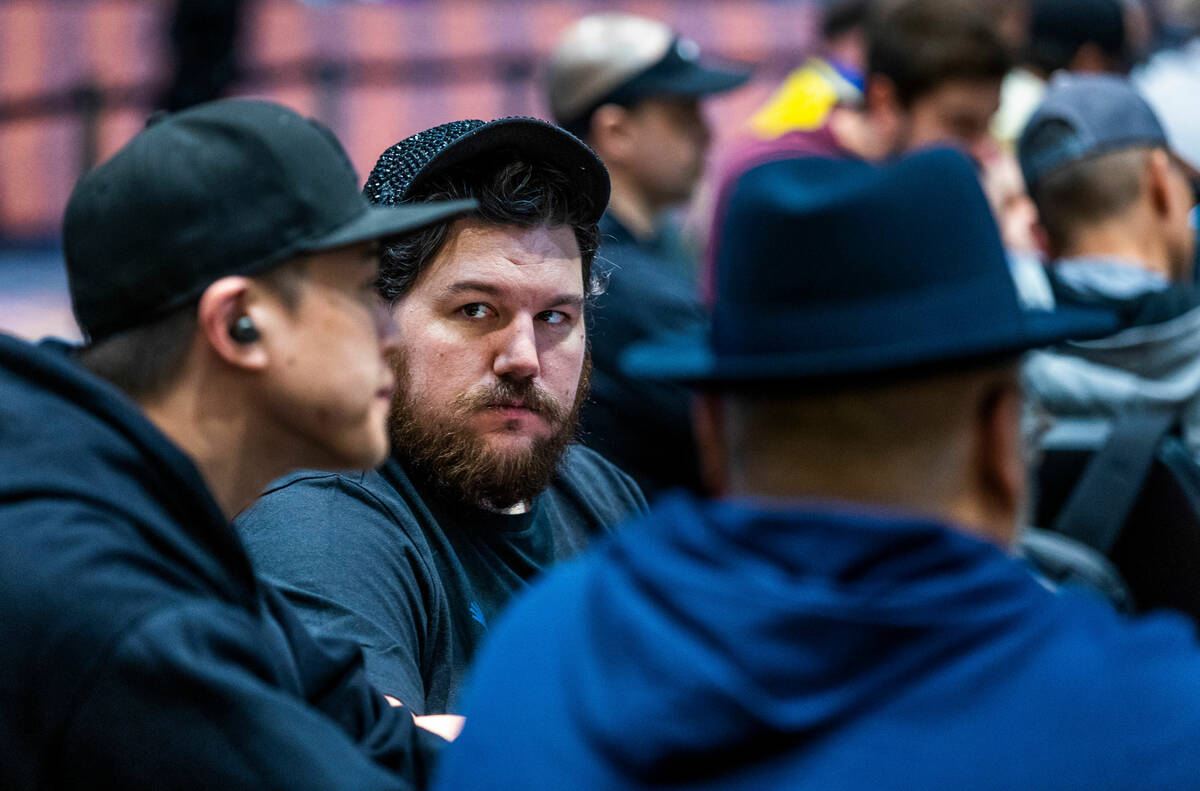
139,651
415,580
816,646
643,427
1153,363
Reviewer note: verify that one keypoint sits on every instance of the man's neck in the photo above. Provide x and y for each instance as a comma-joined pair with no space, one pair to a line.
216,434
971,521
1118,243
968,512
635,211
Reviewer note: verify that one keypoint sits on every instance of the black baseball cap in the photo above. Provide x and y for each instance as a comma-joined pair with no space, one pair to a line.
618,58
232,187
1084,116
408,166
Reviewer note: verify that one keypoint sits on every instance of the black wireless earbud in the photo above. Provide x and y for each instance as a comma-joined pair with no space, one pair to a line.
243,330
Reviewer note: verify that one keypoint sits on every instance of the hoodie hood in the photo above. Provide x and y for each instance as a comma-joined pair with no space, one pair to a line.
738,629
1154,363
66,435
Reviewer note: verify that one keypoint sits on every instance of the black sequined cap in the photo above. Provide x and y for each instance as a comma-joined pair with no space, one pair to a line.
414,161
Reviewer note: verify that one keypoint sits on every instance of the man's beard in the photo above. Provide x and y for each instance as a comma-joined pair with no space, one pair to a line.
443,452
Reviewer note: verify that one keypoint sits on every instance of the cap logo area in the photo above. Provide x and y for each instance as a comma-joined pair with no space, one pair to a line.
687,49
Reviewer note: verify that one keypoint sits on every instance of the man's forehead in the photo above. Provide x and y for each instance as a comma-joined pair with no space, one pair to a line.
546,293
497,257
476,230
960,91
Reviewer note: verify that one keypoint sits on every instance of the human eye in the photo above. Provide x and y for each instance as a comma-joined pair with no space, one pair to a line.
555,317
476,310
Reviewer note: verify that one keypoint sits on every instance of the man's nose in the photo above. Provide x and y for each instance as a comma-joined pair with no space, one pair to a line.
518,353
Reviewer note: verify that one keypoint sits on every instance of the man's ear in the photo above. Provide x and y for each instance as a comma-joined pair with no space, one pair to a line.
609,133
709,423
882,106
1158,183
222,305
1000,461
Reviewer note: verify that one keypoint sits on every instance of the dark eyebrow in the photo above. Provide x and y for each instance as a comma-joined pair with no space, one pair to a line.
463,286
568,300
470,285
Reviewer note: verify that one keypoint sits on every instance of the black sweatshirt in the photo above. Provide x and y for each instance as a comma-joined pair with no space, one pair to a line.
138,649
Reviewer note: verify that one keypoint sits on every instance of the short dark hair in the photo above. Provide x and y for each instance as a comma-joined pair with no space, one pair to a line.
1080,194
1058,29
922,44
510,191
842,16
144,360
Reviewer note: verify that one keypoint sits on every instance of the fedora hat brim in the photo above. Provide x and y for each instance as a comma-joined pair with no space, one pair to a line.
691,359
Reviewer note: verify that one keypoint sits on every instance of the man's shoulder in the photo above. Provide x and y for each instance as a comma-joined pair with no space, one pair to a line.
73,558
598,485
303,483
1093,680
320,510
326,490
581,457
80,579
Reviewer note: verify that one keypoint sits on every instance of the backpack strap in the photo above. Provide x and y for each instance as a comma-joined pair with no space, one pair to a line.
1111,482
1062,562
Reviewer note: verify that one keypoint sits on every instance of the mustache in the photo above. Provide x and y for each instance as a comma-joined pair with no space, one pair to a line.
505,392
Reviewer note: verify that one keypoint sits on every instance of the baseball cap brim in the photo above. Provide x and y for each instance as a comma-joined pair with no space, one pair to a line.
1083,116
539,140
690,359
380,222
688,79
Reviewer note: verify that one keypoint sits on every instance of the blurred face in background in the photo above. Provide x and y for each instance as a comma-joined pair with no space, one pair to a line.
956,112
658,146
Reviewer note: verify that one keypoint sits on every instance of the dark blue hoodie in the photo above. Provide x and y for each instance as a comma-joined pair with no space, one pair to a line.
138,650
735,646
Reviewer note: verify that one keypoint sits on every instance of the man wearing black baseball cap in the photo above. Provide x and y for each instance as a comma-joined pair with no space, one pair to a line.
1114,199
483,489
846,616
221,266
633,89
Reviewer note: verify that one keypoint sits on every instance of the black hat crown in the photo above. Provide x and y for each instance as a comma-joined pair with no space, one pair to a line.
835,268
406,168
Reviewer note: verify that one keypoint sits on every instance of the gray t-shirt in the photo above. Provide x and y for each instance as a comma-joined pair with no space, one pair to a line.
412,579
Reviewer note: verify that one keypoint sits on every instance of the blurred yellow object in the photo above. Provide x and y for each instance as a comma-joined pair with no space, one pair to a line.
803,101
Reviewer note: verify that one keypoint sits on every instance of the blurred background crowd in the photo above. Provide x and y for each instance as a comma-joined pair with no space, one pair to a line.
858,333
79,79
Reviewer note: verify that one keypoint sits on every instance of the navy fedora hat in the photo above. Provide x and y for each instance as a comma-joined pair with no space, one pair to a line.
837,268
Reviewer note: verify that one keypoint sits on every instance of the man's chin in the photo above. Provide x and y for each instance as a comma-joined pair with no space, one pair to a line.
509,445
513,434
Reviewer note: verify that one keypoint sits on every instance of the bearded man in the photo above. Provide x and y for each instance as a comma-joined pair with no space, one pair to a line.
483,488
